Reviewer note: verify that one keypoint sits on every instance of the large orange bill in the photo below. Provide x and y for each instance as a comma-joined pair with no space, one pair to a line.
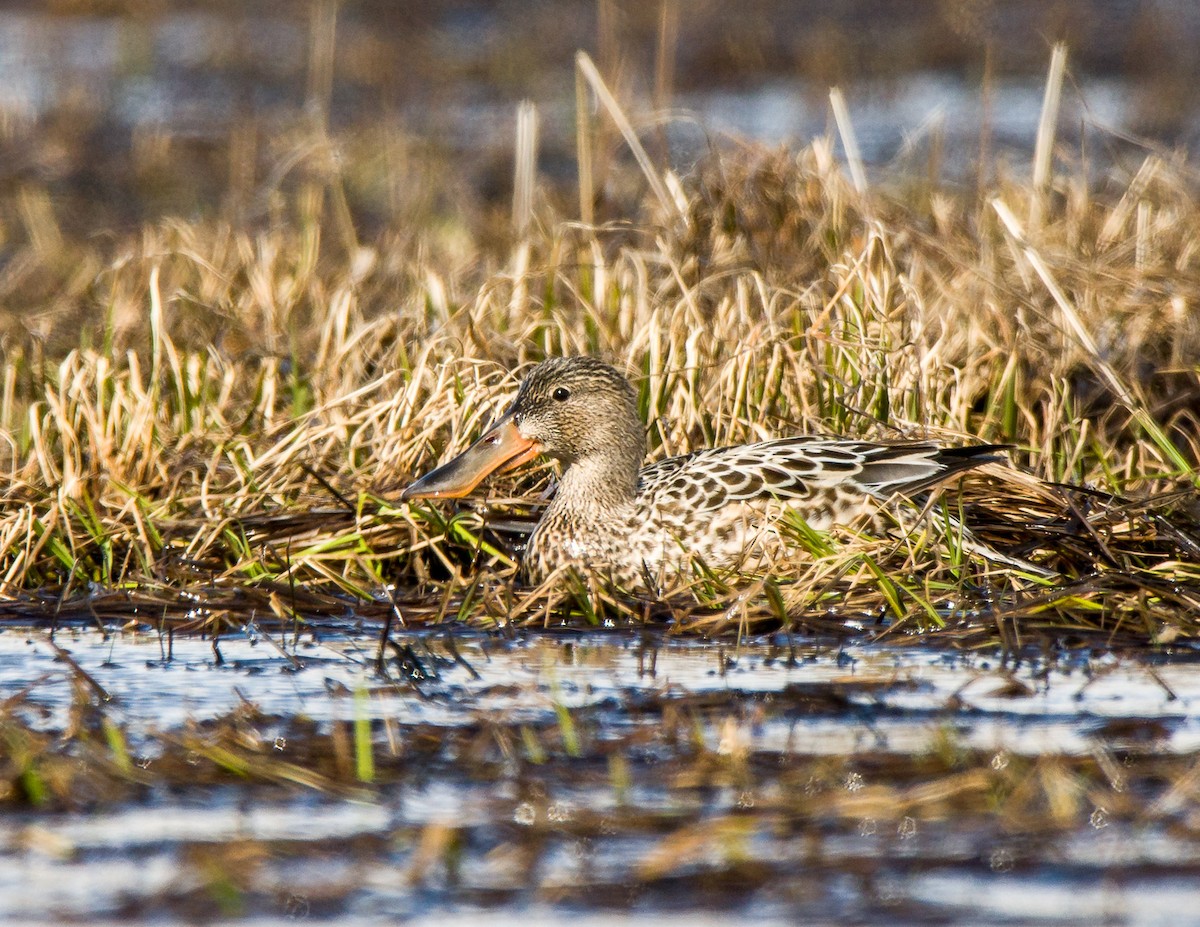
502,447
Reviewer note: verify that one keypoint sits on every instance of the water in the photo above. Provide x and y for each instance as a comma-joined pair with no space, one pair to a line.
716,745
900,692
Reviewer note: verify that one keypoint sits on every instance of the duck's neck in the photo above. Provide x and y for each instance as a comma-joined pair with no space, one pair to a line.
599,484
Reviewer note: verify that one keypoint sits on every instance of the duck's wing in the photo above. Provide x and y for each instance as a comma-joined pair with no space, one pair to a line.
794,468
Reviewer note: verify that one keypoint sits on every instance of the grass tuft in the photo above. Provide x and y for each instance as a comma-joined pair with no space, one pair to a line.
238,421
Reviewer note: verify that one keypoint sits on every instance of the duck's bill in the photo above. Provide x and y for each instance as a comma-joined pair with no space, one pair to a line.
501,448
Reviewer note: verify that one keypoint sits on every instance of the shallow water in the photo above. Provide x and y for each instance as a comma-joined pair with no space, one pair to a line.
905,690
539,842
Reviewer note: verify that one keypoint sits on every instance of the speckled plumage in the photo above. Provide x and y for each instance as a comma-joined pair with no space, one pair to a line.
721,505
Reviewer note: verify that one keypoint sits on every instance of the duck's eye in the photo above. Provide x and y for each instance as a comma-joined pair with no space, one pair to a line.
562,394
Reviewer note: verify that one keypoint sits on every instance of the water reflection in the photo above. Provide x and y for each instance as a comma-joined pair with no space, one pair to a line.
894,697
602,772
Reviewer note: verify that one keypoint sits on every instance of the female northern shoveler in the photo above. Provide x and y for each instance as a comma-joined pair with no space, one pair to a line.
635,524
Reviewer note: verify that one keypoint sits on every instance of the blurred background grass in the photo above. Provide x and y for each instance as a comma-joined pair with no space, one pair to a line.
125,112
119,115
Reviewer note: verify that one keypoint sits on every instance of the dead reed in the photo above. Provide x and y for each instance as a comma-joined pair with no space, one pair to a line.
202,413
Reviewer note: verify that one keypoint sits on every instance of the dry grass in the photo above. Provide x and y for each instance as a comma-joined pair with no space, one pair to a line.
198,414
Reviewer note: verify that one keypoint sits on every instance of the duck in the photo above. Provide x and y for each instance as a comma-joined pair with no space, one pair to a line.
636,525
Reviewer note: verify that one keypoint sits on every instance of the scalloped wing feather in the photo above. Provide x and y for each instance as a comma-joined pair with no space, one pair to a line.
794,468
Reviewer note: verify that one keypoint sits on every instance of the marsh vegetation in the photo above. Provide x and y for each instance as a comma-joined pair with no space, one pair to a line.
207,416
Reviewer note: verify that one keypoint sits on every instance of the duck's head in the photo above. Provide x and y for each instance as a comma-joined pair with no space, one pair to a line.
572,409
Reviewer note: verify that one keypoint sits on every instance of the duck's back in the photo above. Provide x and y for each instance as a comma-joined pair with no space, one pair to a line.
801,468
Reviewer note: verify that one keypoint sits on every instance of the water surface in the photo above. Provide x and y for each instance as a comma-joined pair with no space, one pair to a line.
712,744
